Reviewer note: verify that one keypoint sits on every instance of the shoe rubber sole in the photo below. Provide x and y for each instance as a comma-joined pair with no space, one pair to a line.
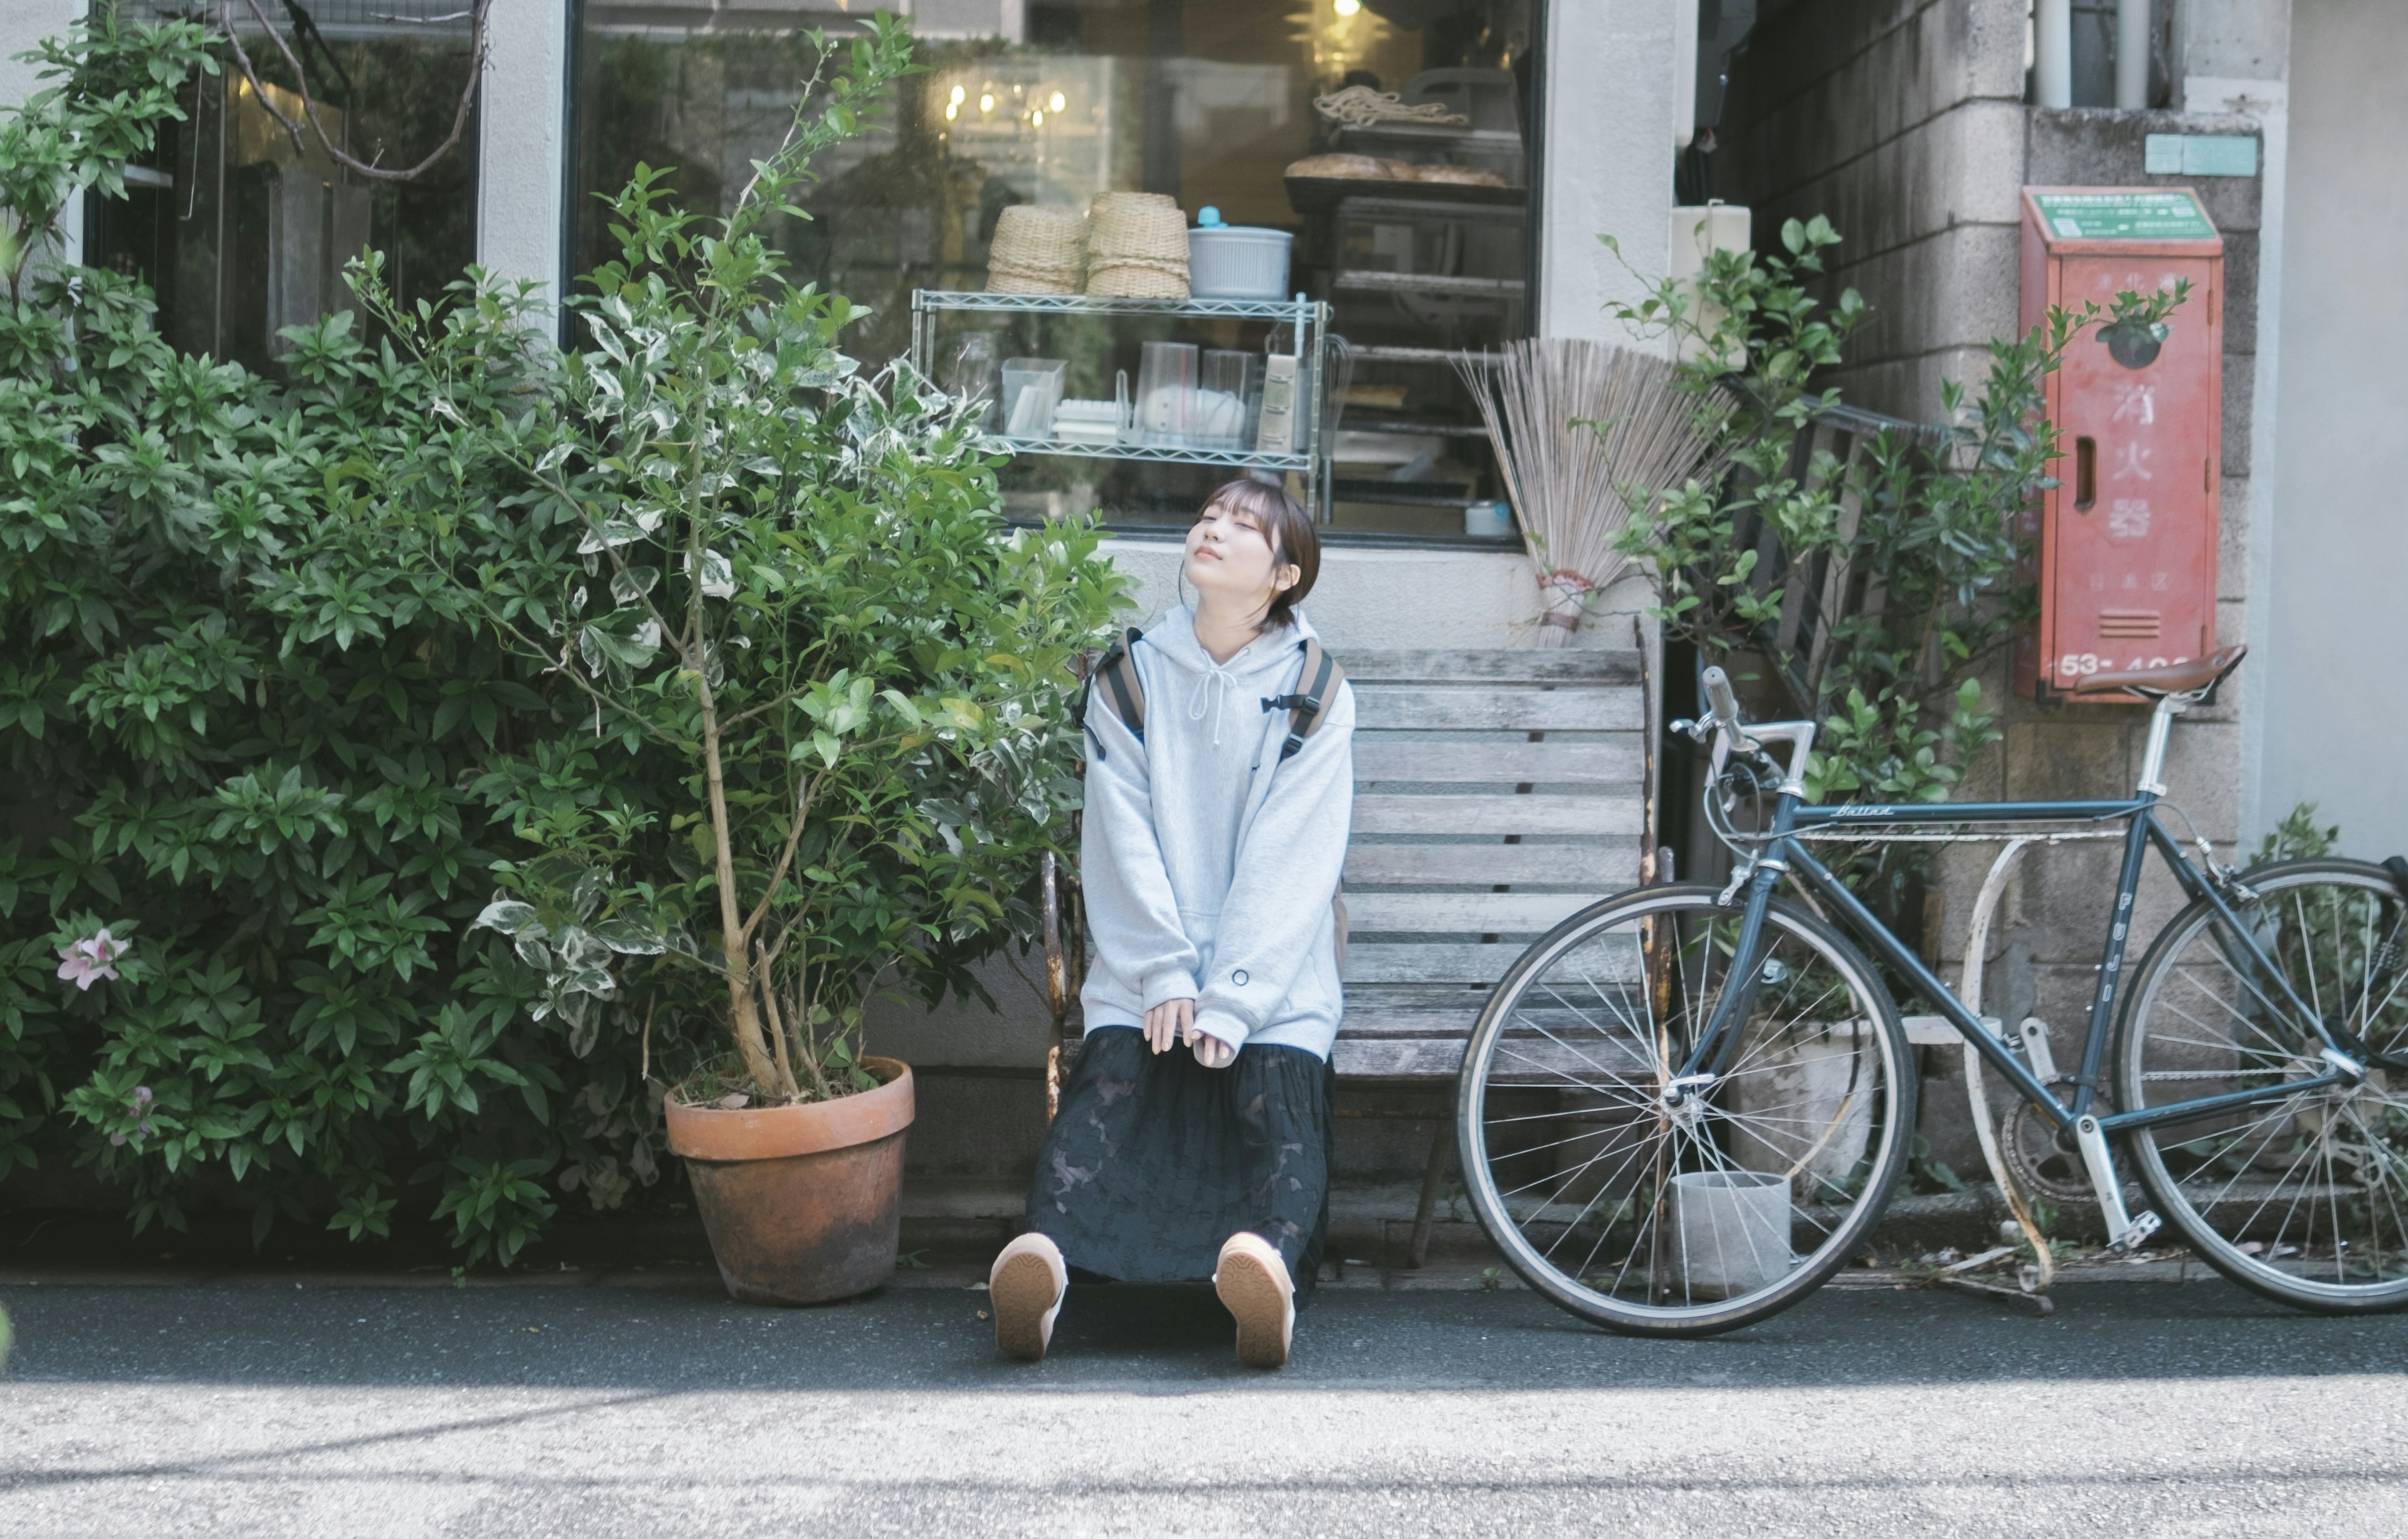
1021,1292
1254,1296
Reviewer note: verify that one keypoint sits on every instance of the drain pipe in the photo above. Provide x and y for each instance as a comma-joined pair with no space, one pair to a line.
2053,52
2132,54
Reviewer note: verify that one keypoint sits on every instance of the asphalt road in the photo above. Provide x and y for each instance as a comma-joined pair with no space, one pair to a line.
272,1409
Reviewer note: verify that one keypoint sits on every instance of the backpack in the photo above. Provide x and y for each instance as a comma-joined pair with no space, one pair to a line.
1316,686
1125,693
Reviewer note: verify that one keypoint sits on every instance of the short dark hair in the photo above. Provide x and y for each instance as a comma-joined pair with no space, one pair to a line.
1293,541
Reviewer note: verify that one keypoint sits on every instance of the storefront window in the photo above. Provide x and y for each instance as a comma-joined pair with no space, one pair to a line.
240,231
1415,232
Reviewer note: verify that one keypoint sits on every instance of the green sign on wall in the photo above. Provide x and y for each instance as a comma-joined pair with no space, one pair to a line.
2113,215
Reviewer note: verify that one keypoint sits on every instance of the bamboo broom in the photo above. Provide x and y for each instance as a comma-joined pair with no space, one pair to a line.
1584,432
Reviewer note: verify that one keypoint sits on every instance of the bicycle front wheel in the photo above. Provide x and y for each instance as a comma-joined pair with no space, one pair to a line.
1683,1215
2300,1196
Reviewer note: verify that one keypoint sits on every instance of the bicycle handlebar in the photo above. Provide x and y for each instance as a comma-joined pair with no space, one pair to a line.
1725,703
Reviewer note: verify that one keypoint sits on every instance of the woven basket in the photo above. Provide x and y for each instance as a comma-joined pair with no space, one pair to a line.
1137,247
1038,249
1137,224
1138,277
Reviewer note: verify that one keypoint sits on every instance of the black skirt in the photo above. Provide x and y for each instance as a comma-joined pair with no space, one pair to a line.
1153,1160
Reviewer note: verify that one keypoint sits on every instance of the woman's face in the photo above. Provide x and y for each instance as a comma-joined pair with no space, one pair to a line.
1229,558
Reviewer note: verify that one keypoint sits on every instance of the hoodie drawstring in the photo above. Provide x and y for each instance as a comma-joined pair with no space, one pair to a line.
1213,675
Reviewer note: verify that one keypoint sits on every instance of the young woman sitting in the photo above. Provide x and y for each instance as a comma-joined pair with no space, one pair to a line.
1192,1137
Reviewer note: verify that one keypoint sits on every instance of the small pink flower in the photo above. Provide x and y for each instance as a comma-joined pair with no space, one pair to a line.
138,1104
86,962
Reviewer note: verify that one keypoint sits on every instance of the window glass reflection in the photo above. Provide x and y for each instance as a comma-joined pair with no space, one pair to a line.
241,230
1414,230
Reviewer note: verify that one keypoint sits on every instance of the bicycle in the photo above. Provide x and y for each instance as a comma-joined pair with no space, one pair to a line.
1685,1108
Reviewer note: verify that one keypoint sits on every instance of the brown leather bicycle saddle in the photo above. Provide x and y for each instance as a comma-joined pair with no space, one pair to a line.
2172,679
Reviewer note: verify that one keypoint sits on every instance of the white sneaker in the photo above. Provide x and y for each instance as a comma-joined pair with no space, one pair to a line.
1024,1289
1254,1286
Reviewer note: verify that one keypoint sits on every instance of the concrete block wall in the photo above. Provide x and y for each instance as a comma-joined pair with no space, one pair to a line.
2046,950
1903,120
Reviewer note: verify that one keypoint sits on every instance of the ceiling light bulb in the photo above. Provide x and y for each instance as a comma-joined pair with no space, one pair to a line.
952,110
960,92
1346,7
1055,102
1037,119
986,102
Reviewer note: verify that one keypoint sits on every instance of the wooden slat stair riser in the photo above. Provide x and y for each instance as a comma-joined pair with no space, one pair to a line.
1474,707
1463,912
1500,815
1617,763
1423,1058
1429,962
1524,1061
1598,665
1606,866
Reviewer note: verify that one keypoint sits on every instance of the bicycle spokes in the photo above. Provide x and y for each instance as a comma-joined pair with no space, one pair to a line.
2307,1187
1661,1188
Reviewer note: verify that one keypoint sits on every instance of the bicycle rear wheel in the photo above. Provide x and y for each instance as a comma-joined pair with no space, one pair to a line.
1660,1217
2304,1196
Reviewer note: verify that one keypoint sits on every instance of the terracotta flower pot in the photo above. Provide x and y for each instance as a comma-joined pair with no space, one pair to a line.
803,1203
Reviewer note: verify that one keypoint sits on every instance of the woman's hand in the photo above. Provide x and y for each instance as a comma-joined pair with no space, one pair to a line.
1211,1051
1169,1023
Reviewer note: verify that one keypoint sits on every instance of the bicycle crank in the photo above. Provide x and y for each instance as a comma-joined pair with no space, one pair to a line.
2125,1231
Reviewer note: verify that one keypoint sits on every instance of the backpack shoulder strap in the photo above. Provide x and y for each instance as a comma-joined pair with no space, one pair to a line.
1123,689
1316,685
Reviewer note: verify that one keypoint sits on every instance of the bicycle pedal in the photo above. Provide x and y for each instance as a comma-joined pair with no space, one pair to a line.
2136,1234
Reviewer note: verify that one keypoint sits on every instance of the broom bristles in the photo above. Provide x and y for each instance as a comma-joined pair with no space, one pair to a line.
1580,430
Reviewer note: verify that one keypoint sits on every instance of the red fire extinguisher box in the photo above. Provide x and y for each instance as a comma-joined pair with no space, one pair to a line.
2125,553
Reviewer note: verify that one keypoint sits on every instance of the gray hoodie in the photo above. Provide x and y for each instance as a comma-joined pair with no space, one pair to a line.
1208,861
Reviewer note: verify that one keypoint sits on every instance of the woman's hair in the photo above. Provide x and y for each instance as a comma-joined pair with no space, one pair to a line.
1284,523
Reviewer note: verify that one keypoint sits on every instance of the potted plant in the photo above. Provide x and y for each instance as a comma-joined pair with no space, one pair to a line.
827,689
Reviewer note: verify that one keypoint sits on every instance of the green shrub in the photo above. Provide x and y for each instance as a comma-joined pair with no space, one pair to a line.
1937,520
258,730
784,588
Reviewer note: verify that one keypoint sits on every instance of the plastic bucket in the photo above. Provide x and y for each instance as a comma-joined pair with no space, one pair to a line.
1238,262
1731,1231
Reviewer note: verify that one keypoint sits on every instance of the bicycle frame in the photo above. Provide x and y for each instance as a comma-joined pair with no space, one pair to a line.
1783,851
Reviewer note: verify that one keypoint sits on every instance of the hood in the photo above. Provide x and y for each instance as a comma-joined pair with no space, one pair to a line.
1174,637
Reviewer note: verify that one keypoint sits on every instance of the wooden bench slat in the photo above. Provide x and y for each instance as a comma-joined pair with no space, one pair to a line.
1498,814
1478,708
1529,913
1608,866
1618,761
1428,962
1534,1061
1608,665
1377,1059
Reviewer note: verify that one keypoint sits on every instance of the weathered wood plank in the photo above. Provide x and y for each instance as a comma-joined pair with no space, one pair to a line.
1573,664
1501,709
1617,761
1423,1058
1463,912
1609,866
1519,1060
1452,962
1500,815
